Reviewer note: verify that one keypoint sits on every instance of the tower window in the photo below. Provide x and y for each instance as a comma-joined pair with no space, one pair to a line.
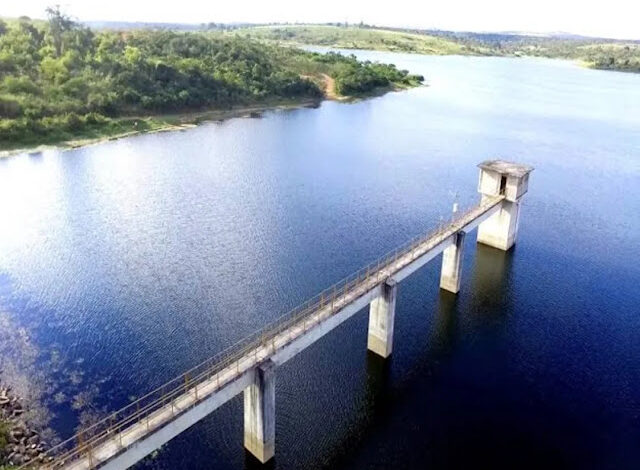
503,184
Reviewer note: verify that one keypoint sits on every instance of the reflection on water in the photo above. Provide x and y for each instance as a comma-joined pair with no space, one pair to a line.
251,463
491,271
491,280
377,392
445,323
378,376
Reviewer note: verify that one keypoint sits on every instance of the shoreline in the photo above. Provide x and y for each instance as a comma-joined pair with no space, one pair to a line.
169,123
188,120
21,441
578,61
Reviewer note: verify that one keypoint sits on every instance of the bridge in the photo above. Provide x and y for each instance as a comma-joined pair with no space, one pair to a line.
135,431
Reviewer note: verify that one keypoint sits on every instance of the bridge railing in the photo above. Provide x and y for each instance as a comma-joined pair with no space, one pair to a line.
243,354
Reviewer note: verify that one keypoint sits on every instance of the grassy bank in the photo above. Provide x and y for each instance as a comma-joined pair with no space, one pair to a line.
116,128
81,132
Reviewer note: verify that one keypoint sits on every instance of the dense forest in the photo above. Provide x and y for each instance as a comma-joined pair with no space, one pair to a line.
60,79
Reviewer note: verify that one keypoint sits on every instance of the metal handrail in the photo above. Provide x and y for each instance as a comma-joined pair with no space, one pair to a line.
115,424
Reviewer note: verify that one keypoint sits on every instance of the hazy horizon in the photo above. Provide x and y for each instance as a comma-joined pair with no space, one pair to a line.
492,16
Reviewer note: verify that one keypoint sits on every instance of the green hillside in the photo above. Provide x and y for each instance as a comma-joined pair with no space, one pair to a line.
60,80
600,53
360,38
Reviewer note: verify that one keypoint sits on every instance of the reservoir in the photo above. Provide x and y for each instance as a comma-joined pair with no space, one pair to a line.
125,263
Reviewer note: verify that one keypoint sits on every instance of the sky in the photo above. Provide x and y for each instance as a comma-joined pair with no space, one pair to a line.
611,18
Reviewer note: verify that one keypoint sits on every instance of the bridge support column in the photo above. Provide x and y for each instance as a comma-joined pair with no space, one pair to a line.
260,413
511,180
451,264
501,230
381,316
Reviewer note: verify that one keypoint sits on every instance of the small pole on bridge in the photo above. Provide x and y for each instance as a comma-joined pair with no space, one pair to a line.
333,298
455,204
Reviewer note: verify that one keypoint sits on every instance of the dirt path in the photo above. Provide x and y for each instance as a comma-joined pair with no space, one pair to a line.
330,87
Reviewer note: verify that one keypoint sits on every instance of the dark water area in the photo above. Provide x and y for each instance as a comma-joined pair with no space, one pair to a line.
131,261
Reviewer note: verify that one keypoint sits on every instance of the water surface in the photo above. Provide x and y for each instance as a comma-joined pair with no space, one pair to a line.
131,261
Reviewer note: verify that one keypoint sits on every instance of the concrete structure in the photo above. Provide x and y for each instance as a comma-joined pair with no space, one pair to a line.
130,434
511,180
451,264
382,312
260,412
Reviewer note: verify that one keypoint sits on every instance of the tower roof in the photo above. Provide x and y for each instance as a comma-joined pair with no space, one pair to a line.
506,168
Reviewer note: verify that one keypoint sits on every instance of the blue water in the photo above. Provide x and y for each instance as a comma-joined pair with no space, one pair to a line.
130,261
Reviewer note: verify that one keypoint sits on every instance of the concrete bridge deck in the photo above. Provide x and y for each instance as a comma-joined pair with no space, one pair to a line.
130,434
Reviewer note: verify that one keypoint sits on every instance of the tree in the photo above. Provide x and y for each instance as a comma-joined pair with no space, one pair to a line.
60,79
54,70
59,23
132,55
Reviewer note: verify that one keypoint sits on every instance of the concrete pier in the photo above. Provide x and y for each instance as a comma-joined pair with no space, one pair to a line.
260,413
451,264
510,180
128,435
381,317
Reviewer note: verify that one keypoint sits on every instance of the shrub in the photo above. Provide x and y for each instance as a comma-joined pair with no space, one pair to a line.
9,108
20,85
72,122
94,118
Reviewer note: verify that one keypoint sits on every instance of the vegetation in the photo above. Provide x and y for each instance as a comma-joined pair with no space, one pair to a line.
597,53
359,38
354,78
4,433
60,80
623,57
